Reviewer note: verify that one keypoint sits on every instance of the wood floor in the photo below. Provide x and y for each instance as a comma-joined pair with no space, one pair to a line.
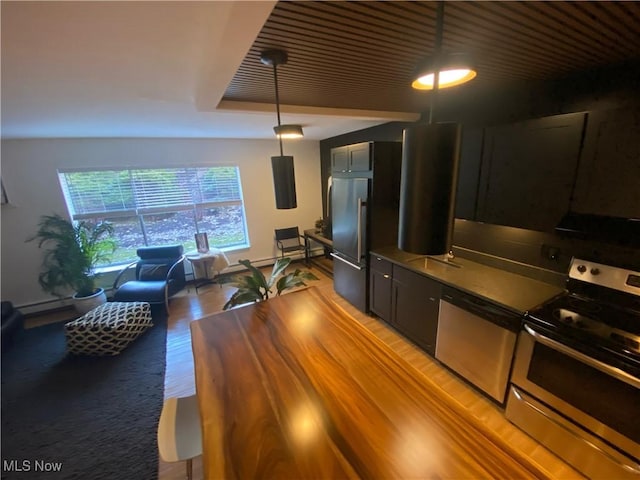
179,379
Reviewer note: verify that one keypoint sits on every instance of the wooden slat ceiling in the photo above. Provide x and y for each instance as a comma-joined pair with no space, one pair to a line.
362,54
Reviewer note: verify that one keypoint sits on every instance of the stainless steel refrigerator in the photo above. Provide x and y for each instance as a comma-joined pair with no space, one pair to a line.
364,215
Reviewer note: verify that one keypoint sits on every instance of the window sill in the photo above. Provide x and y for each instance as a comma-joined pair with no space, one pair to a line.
110,268
119,267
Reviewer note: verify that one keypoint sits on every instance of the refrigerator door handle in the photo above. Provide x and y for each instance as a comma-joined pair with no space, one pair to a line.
338,257
361,204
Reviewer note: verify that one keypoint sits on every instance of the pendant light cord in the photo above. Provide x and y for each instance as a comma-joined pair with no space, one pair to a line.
275,77
436,60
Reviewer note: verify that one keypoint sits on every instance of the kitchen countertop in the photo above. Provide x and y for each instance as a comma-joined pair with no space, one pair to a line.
321,396
514,292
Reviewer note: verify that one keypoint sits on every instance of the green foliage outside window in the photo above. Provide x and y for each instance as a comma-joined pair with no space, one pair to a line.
160,205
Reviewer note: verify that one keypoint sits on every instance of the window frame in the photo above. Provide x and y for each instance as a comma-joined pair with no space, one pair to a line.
142,211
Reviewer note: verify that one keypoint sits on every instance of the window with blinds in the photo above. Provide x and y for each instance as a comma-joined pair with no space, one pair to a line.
160,205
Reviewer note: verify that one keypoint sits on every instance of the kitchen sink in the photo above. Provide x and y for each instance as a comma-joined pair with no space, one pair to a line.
421,261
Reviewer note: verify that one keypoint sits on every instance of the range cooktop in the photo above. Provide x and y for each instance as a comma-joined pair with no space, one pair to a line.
600,309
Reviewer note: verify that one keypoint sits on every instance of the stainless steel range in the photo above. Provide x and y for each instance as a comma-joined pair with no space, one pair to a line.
575,384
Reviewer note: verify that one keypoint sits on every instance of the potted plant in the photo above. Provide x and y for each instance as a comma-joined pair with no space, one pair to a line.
73,251
256,287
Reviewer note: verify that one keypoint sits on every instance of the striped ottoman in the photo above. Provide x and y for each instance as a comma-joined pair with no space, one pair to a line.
108,329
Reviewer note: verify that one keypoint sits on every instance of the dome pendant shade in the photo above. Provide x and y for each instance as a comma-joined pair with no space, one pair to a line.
284,182
288,131
455,69
428,183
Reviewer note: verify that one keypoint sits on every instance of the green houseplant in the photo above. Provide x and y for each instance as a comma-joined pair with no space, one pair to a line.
256,287
73,251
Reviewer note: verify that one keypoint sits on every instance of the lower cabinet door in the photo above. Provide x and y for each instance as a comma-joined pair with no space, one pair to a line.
380,294
415,302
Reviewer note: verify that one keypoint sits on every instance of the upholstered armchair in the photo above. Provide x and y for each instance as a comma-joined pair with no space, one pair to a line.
159,274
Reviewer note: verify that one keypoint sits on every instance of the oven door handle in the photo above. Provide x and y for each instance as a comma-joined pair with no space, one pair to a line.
581,357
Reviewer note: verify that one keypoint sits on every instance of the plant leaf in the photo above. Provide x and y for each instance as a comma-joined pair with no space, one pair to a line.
289,281
257,274
278,267
240,297
239,281
306,275
255,288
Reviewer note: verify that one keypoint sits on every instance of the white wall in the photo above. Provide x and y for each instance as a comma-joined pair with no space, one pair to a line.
29,173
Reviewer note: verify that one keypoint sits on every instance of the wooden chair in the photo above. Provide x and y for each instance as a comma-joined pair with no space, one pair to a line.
288,240
179,431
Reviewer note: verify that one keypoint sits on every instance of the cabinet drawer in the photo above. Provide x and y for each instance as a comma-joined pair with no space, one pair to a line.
380,265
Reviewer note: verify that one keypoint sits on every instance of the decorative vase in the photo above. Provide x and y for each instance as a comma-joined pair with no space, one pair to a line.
86,304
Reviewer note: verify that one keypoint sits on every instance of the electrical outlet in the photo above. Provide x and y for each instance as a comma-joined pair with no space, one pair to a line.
550,252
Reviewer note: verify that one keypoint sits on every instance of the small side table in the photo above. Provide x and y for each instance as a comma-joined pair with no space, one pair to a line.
312,235
207,266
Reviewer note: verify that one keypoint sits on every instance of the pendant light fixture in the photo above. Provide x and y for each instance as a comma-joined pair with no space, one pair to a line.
454,68
284,181
288,131
430,154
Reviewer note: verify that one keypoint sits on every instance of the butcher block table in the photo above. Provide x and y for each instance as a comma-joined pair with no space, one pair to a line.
296,388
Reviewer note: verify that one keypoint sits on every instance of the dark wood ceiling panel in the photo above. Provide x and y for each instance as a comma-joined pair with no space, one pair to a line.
515,55
598,27
362,54
628,18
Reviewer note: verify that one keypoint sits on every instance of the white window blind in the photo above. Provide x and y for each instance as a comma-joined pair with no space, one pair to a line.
139,191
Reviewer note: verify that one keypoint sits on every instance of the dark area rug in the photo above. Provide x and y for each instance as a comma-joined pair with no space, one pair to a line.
95,416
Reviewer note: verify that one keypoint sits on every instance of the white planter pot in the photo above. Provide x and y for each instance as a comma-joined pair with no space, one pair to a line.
86,304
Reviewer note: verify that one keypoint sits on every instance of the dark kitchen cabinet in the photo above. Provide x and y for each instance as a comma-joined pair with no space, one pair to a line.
608,180
415,302
380,271
469,172
339,159
528,170
351,158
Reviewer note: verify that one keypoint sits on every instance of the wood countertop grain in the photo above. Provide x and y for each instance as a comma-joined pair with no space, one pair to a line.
296,388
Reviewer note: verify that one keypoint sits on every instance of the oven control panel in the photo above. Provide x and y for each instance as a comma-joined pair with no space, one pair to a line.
605,275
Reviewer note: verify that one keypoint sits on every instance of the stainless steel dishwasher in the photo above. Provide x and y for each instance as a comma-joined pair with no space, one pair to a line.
477,339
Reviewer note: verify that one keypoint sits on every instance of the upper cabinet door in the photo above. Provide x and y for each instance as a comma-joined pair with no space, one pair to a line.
352,158
528,171
339,159
360,157
608,181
